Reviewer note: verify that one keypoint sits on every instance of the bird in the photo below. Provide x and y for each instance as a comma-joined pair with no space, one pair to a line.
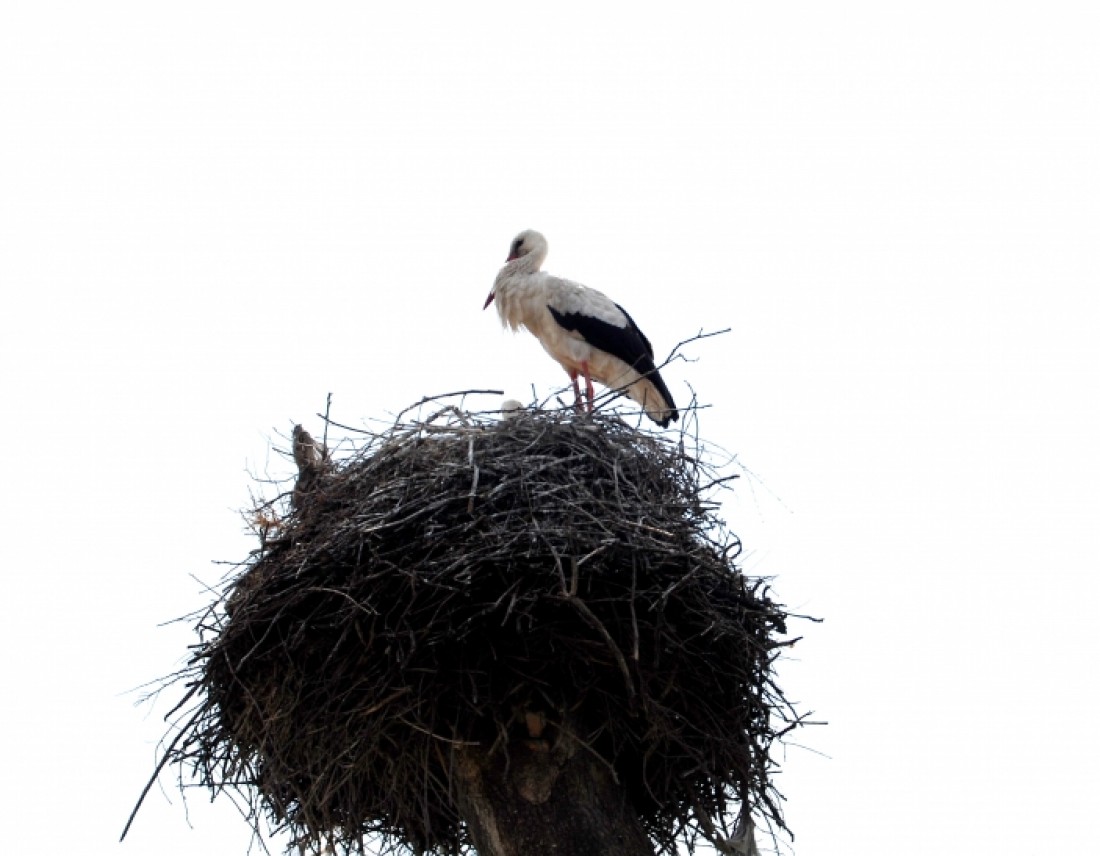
588,333
312,461
308,454
510,408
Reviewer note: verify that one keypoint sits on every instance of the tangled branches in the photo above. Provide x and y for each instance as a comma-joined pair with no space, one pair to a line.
469,579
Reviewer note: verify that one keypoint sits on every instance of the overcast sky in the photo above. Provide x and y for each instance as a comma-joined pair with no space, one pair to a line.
214,214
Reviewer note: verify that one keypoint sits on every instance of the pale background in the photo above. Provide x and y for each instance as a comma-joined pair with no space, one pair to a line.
214,214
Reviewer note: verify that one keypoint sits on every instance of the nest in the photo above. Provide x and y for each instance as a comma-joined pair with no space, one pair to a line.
452,576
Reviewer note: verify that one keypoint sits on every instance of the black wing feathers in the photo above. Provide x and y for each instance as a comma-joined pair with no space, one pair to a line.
638,330
627,343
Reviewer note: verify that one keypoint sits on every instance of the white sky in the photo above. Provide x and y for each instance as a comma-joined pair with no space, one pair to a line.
213,214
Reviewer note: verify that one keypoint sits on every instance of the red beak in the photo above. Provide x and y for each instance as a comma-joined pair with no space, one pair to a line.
489,299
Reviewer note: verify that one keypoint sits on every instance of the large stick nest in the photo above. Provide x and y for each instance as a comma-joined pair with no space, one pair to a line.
452,576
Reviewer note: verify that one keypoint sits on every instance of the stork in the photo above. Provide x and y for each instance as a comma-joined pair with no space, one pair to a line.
584,330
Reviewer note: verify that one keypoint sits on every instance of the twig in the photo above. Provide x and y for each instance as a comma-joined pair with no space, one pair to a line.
324,436
165,757
697,337
459,394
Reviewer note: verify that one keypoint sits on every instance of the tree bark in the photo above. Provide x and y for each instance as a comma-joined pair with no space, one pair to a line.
533,798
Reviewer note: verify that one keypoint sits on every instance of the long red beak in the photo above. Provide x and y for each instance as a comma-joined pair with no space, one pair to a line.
489,299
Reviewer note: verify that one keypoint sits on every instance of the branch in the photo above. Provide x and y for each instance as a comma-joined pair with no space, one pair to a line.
697,337
463,392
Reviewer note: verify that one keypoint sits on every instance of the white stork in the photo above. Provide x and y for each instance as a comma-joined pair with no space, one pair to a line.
585,331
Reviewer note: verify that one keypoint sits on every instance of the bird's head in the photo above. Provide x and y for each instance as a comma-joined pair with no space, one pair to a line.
528,250
528,243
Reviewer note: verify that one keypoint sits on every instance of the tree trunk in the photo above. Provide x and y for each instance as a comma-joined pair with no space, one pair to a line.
533,799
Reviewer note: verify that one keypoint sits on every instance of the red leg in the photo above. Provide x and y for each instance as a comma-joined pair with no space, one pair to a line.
588,390
576,390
